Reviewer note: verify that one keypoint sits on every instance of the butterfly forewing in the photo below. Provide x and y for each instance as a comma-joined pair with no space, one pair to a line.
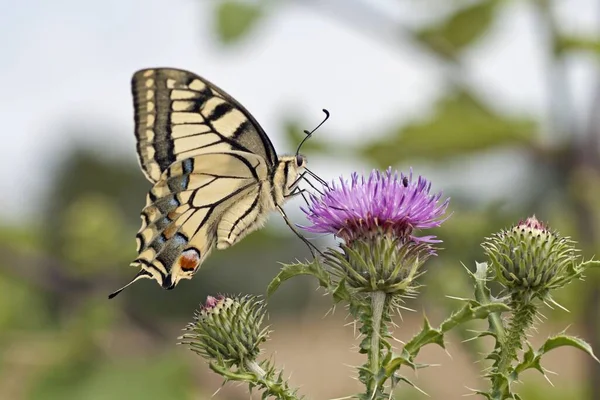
179,114
188,205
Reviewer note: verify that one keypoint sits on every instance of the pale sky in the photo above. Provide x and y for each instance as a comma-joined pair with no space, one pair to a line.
68,63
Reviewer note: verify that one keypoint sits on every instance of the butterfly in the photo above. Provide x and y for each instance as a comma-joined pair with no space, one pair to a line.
215,173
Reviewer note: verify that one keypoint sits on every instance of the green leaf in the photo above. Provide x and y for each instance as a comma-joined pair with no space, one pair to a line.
589,264
483,295
290,270
398,361
531,359
235,19
426,336
460,125
396,379
567,340
341,292
459,30
577,43
470,311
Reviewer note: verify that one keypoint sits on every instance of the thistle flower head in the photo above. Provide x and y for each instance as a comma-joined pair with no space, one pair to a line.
530,260
377,217
227,329
383,203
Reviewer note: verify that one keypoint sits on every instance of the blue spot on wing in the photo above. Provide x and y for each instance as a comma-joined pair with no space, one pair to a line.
172,250
188,166
179,183
167,204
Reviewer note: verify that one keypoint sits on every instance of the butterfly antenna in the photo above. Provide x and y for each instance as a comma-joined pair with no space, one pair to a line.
309,134
140,275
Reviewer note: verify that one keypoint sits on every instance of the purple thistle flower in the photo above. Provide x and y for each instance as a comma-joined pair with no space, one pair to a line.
383,203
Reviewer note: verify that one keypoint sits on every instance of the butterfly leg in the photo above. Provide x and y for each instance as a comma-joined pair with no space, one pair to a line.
298,179
291,226
317,177
313,186
297,191
305,178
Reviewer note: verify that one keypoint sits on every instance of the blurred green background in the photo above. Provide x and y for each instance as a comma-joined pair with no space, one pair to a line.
497,102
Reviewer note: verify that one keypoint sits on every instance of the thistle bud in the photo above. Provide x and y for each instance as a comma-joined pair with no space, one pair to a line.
530,259
381,264
227,329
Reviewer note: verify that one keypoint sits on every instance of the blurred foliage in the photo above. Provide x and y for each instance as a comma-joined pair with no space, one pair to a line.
569,43
460,124
449,36
235,19
61,339
160,377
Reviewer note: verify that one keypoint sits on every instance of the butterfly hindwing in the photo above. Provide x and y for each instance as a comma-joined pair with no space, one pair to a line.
241,218
190,204
179,114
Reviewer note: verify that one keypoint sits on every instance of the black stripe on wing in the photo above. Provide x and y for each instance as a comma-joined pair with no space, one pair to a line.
178,113
176,212
255,203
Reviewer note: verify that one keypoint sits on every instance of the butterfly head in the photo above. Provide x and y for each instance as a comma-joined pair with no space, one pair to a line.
285,178
300,161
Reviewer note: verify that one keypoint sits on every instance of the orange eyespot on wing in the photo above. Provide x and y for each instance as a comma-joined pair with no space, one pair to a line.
189,260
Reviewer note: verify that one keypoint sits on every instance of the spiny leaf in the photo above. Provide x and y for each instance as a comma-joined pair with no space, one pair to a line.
426,336
532,359
470,311
288,271
482,293
589,264
399,360
567,340
235,19
484,296
341,292
396,379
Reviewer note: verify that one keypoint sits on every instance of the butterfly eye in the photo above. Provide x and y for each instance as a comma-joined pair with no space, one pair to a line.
299,160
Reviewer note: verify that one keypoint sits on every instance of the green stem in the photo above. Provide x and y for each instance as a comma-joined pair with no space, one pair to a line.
377,305
272,388
522,319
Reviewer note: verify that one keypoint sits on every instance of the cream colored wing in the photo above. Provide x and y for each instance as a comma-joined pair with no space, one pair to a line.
244,216
179,114
184,209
